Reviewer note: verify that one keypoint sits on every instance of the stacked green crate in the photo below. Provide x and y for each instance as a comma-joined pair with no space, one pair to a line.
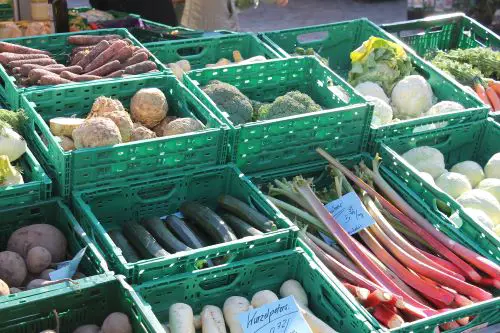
336,41
115,165
87,302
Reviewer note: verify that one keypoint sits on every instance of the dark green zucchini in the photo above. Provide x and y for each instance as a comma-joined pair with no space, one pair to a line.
180,229
127,250
240,227
246,213
143,241
206,219
160,232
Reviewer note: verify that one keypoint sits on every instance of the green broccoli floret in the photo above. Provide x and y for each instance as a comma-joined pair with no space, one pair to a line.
292,103
231,101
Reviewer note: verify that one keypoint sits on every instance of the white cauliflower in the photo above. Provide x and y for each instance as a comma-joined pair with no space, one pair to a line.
411,97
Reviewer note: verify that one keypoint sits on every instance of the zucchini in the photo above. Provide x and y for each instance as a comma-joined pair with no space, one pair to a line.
240,227
128,251
246,213
180,229
160,232
142,240
205,218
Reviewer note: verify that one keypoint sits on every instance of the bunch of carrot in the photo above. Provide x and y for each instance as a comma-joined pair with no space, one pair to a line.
92,58
489,93
400,268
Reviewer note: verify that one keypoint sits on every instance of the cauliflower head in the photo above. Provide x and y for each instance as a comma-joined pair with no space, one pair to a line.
411,97
231,101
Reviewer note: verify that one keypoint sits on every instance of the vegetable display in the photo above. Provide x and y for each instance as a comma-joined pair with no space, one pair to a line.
400,268
475,188
92,58
108,123
214,319
198,226
382,72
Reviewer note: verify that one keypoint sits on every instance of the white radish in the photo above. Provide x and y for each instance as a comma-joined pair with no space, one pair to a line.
252,60
62,126
166,328
197,322
315,324
212,320
294,288
181,318
263,297
233,306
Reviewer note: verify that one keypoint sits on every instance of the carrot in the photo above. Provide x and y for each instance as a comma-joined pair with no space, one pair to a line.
137,58
40,61
90,39
141,67
481,92
96,51
79,78
123,54
7,57
14,48
495,85
77,57
59,70
106,69
36,74
105,56
26,68
78,49
493,97
52,79
118,73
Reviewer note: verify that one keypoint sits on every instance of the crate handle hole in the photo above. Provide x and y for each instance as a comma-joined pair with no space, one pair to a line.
217,283
190,51
312,37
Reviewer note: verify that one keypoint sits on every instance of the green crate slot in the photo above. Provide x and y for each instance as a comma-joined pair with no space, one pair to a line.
477,141
341,128
61,49
108,209
89,301
245,278
336,41
203,51
52,212
119,164
474,238
37,185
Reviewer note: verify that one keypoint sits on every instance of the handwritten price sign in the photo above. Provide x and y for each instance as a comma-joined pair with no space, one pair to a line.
282,316
350,213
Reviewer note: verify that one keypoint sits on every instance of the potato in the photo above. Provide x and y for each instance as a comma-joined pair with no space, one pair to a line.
87,329
15,290
45,274
38,283
44,235
4,288
263,297
38,259
12,268
116,322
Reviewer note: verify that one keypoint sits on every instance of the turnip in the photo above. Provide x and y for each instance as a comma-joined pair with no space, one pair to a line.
38,259
454,184
263,297
471,170
181,318
116,322
426,159
233,306
491,185
123,122
294,288
140,132
149,106
97,132
61,126
67,144
12,144
480,217
103,105
12,268
482,200
181,126
492,168
212,320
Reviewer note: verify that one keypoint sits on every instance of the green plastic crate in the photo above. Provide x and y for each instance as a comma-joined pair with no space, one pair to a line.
108,208
476,141
61,49
336,41
484,312
53,212
116,165
245,278
89,301
203,51
37,185
444,32
341,128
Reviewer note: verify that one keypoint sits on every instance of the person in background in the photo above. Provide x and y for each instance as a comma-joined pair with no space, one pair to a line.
161,11
213,14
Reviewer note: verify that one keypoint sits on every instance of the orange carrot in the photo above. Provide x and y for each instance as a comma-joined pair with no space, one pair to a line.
493,97
495,85
481,92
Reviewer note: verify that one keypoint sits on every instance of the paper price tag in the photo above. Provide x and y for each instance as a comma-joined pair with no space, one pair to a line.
67,269
350,213
282,316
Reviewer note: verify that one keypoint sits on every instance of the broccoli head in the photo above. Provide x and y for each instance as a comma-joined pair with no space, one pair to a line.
231,101
292,103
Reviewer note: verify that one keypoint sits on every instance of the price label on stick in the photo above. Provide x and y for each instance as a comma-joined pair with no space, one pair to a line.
282,316
350,213
66,269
